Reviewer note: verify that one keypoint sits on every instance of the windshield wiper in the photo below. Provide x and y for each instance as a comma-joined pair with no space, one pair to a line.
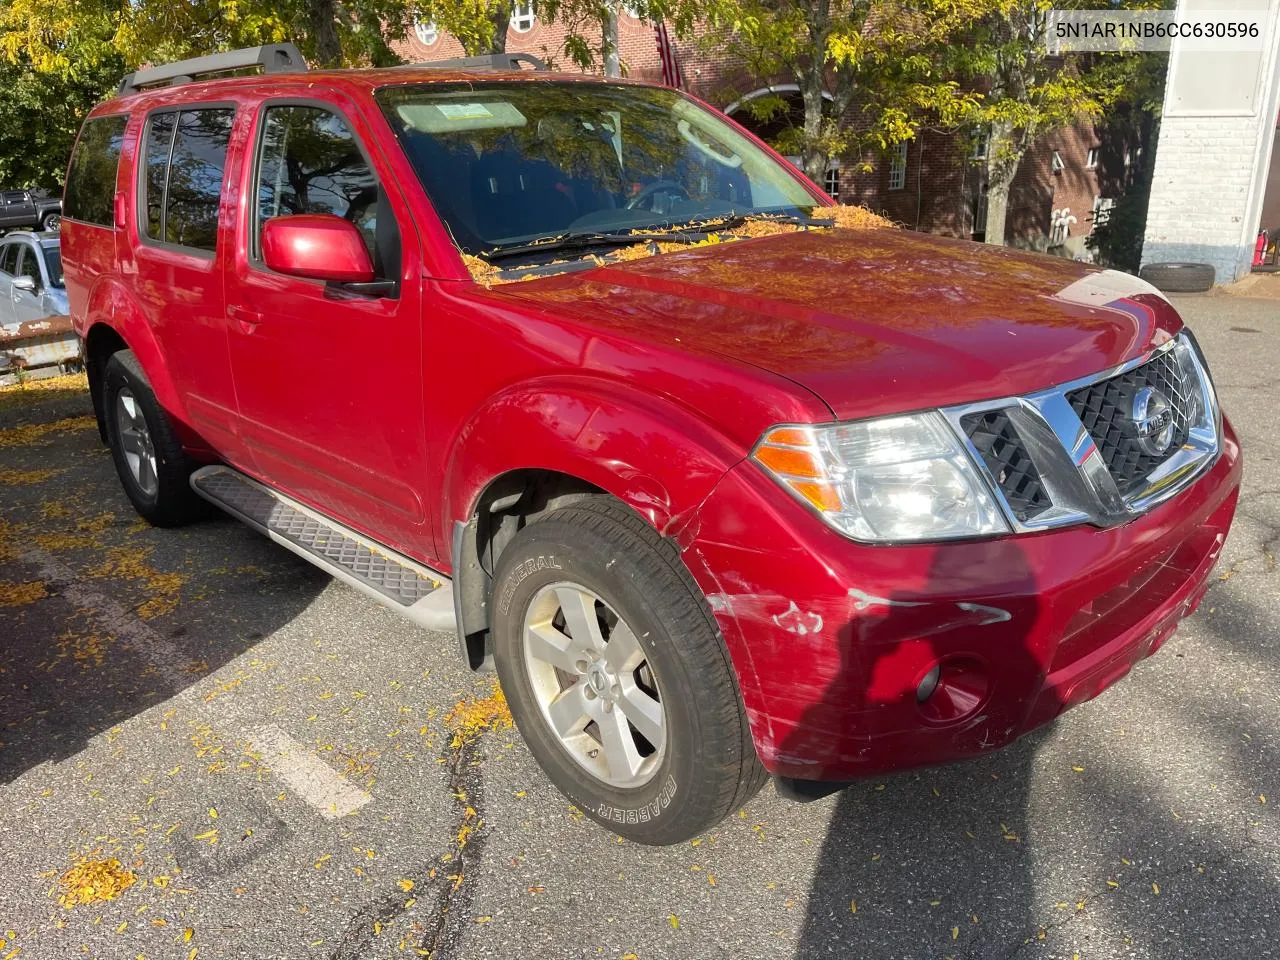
582,241
738,219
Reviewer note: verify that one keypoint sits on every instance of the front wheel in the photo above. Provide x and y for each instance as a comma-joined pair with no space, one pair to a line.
617,676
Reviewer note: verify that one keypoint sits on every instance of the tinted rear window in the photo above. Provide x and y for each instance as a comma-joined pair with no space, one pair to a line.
91,179
184,159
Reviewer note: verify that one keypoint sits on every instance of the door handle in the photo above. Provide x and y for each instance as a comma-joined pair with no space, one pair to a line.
248,319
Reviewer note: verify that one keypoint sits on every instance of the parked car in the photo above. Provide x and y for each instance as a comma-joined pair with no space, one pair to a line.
31,285
35,332
25,210
818,504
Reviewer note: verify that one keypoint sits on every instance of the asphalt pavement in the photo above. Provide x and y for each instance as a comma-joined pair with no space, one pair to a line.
210,749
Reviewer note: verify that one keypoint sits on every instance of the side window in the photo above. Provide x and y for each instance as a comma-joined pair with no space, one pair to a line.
155,165
309,163
28,266
184,158
91,178
9,259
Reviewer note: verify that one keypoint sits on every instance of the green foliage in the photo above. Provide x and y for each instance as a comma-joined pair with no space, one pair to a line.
47,92
888,56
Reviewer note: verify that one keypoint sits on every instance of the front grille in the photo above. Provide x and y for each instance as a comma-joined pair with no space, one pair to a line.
995,439
1106,410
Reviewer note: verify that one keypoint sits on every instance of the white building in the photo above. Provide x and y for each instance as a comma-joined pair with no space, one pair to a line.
1221,110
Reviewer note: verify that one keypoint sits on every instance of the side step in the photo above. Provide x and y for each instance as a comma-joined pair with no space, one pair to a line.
403,585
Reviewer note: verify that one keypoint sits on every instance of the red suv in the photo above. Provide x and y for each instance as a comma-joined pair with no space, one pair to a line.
817,503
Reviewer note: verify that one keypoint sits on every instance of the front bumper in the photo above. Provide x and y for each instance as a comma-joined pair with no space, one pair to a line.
832,639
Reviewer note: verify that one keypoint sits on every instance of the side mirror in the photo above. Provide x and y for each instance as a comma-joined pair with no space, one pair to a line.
317,246
24,283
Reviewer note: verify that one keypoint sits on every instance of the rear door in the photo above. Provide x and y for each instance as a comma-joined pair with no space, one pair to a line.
329,383
175,251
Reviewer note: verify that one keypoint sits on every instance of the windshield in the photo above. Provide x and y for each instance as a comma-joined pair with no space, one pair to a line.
53,263
507,163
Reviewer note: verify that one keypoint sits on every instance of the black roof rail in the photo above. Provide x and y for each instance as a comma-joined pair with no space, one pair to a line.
271,57
488,61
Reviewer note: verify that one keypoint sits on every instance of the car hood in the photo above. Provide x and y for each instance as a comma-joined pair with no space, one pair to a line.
876,321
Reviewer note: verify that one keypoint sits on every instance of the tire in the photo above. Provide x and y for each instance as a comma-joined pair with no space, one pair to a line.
1179,277
51,222
706,766
160,491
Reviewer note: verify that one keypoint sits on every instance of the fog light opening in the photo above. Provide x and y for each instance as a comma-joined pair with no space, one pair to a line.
953,691
929,684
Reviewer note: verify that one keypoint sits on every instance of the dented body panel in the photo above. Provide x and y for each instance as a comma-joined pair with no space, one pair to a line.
831,638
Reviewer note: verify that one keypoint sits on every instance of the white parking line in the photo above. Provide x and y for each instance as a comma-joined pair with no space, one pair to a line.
166,658
322,787
326,790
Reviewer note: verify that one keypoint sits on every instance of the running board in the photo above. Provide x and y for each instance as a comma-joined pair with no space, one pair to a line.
416,592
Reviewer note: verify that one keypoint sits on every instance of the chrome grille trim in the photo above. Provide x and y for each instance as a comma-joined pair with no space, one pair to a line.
1071,467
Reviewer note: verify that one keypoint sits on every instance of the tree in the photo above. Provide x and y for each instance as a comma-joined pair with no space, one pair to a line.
1030,93
51,78
887,56
479,25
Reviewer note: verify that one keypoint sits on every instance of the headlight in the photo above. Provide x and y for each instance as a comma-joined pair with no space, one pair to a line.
891,479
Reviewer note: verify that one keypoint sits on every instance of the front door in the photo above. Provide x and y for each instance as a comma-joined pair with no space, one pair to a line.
329,382
9,253
29,304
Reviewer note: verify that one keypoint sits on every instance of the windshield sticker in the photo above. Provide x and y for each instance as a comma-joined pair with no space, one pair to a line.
464,111
455,117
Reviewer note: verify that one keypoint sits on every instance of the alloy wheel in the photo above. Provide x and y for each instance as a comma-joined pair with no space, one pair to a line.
594,686
135,442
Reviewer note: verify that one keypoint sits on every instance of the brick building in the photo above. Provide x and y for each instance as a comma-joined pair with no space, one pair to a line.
932,183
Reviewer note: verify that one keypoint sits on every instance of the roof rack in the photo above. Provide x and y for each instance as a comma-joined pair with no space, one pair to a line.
489,61
271,57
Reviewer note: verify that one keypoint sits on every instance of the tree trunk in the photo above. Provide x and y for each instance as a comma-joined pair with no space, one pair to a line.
609,42
500,18
322,25
1004,154
813,158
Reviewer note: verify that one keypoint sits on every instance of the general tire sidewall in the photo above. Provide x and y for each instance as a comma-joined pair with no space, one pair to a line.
647,813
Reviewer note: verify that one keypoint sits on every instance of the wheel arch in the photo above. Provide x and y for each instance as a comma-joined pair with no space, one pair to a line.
538,447
114,322
100,342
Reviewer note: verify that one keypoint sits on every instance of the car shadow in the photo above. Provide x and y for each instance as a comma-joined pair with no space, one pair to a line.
1163,846
898,873
102,616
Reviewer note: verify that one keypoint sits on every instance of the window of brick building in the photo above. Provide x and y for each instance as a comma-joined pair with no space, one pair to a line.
1056,164
1091,159
981,144
831,182
522,18
426,32
898,166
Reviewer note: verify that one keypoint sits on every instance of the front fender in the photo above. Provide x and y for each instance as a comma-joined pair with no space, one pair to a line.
655,455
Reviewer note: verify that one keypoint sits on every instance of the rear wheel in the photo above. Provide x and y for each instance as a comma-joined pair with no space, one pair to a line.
151,463
51,222
617,676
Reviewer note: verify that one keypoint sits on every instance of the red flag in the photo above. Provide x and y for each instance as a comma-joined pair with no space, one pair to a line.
671,74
